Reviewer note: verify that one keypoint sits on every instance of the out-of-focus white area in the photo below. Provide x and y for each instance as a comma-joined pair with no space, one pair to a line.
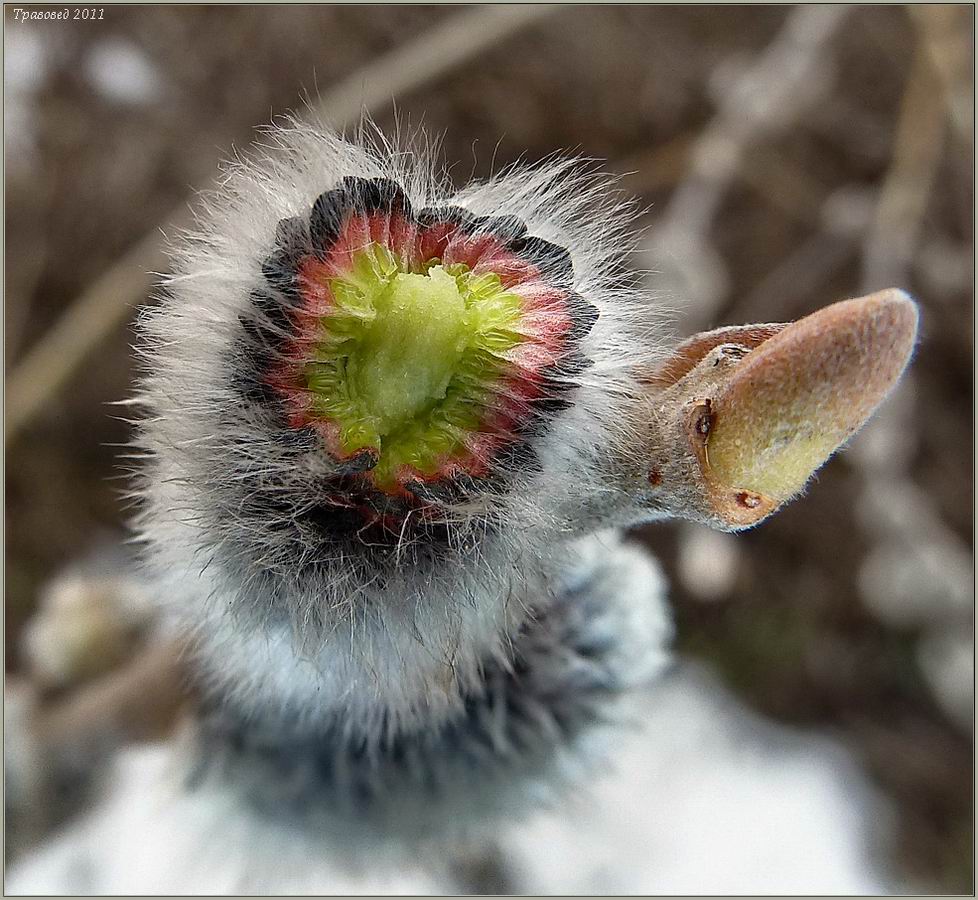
152,836
707,798
87,620
121,71
708,562
25,66
700,797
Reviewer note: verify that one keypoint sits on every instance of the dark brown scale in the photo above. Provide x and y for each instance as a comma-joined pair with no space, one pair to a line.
506,228
551,404
250,355
583,316
518,456
326,219
553,261
574,362
377,195
454,215
445,491
251,387
292,236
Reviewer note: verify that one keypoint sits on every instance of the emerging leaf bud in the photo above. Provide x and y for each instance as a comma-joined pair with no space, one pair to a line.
762,407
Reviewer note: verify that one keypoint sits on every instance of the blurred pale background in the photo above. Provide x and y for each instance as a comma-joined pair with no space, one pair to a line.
787,157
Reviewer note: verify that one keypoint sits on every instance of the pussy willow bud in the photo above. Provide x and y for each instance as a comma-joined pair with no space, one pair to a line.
743,417
375,408
378,409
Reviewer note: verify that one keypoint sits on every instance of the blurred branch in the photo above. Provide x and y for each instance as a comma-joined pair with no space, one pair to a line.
918,146
107,303
139,701
763,99
16,307
945,30
16,312
102,307
434,53
783,184
843,218
655,168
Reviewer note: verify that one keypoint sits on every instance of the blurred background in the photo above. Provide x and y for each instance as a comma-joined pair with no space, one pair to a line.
787,157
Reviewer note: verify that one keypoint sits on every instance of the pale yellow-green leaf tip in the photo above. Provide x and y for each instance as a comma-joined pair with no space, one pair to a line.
795,398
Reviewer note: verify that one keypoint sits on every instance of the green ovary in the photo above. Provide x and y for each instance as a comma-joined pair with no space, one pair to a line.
406,361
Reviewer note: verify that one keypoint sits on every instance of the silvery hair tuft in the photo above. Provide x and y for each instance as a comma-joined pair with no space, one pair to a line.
289,614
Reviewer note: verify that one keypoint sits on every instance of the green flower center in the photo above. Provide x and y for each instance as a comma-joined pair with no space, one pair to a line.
407,363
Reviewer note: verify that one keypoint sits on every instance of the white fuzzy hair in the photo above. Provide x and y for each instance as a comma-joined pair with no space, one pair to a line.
684,791
383,643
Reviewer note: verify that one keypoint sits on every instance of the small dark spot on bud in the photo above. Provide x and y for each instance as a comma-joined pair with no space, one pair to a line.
748,500
731,351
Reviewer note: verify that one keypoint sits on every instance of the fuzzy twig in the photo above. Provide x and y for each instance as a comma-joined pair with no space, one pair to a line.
107,303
